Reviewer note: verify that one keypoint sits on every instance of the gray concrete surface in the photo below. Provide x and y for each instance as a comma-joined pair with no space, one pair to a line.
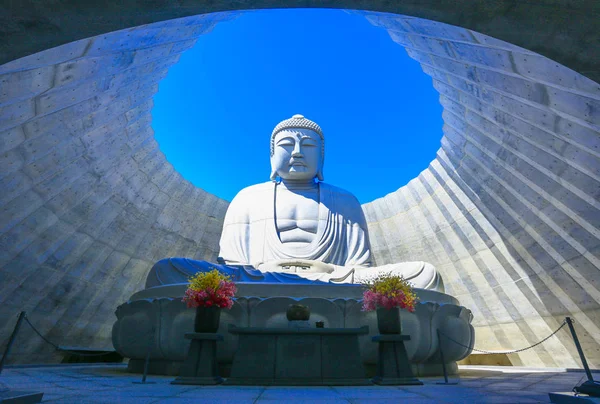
111,384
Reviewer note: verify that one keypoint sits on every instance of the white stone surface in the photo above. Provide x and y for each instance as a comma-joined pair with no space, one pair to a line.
313,230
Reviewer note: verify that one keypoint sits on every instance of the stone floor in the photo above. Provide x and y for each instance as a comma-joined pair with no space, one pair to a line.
111,384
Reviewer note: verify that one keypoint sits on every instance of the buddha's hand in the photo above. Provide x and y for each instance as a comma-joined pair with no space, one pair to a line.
296,266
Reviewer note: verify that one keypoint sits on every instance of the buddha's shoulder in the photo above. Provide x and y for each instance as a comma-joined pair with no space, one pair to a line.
263,187
249,202
253,193
339,193
344,203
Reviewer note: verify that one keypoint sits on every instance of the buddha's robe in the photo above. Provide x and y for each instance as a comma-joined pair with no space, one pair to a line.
250,235
251,249
250,239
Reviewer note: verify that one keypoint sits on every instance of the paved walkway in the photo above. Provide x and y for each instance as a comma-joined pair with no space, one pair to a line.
111,384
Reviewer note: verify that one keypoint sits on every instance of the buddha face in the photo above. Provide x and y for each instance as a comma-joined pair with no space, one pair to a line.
297,155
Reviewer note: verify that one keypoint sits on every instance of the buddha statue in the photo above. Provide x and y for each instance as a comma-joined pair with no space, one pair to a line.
295,228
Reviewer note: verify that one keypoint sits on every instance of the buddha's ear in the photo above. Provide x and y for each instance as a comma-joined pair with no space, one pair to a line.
320,174
273,176
320,171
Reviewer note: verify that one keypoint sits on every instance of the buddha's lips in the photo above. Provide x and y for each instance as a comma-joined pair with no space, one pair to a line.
297,163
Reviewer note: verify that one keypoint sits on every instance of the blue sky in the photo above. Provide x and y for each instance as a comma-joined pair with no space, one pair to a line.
216,109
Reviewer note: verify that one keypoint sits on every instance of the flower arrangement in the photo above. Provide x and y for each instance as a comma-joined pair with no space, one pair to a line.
388,291
210,289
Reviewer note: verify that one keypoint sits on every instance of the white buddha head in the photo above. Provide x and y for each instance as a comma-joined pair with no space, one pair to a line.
297,150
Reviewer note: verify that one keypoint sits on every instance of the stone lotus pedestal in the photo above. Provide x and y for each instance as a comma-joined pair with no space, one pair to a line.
265,305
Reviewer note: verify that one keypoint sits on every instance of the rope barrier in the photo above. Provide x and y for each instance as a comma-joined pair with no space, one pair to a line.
589,387
58,348
143,337
23,316
441,333
507,352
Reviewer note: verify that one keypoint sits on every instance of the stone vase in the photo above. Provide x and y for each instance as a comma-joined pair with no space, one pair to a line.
207,319
388,320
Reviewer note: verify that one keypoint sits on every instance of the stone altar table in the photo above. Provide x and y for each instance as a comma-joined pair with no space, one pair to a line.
200,365
298,356
392,361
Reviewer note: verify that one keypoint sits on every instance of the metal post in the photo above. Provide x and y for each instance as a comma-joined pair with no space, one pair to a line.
589,387
11,339
443,361
581,356
147,363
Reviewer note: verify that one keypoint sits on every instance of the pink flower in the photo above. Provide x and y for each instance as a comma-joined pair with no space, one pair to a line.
221,297
389,292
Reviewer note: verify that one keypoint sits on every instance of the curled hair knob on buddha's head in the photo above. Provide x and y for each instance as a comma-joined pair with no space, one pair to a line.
298,122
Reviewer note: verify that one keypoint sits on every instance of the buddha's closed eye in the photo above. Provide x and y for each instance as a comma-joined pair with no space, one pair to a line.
286,142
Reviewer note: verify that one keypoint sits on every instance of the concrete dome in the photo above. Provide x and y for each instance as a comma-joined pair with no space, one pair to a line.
508,211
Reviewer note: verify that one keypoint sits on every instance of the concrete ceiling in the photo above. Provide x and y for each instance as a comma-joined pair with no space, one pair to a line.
566,31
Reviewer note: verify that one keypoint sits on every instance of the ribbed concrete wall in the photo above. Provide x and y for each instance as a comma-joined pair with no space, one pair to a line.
508,211
89,201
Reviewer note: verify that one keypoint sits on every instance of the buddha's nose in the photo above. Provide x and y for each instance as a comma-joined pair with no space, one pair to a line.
297,151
